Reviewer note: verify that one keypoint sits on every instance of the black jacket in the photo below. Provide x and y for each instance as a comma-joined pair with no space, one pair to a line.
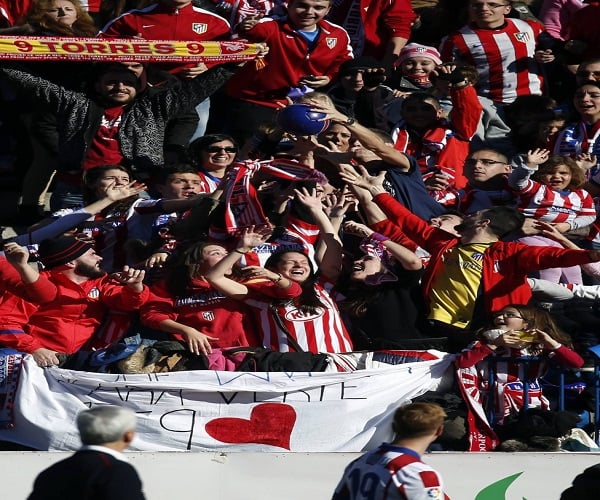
88,475
142,129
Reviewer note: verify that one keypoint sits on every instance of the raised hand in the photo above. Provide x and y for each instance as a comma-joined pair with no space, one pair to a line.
157,260
537,156
16,254
117,193
193,72
310,199
330,111
363,179
131,277
586,161
253,236
357,229
255,272
334,206
315,82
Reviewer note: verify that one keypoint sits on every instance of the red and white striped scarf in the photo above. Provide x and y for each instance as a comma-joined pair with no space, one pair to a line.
242,207
481,435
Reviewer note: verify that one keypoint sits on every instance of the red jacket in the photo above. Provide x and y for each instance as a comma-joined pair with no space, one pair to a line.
15,311
10,281
505,264
159,22
289,59
445,148
380,19
74,313
204,309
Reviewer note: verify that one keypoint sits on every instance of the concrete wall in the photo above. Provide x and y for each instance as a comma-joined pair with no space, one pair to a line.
303,476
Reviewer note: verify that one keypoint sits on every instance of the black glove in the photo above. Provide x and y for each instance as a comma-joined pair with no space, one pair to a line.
455,77
373,78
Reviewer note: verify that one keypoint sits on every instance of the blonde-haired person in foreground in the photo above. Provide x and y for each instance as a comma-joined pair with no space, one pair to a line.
395,470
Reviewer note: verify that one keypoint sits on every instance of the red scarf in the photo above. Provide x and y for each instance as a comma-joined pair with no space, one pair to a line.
242,207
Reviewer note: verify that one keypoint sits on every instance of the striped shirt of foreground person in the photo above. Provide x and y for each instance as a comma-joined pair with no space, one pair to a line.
395,470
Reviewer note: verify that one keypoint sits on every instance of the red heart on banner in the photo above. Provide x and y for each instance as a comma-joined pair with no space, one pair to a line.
270,423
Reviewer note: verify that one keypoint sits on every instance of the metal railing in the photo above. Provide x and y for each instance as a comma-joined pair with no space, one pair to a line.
526,361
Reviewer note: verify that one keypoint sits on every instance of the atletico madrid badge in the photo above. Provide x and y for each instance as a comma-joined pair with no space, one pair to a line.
522,36
199,28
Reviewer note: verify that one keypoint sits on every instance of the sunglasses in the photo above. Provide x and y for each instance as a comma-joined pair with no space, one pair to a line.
218,149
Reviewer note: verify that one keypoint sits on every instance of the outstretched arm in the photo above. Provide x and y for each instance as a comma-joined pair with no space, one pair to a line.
523,166
18,256
217,276
329,250
366,137
56,97
407,258
363,179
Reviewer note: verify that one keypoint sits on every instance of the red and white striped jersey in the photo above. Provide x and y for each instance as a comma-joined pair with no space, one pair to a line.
504,58
539,201
578,138
208,183
323,331
299,236
390,472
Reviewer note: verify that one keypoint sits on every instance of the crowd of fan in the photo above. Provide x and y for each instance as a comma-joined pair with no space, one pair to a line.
448,191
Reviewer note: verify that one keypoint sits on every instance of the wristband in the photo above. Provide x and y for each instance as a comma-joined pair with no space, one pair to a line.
378,237
278,279
237,250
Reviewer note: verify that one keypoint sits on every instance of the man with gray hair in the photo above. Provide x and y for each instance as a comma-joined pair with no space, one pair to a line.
98,471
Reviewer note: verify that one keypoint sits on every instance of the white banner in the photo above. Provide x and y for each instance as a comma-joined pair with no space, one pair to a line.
229,411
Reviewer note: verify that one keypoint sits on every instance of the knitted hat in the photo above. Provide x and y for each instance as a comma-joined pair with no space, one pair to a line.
57,251
417,50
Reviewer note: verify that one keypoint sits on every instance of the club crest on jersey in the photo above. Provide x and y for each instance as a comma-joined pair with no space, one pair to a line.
199,28
208,315
522,36
298,315
331,42
94,293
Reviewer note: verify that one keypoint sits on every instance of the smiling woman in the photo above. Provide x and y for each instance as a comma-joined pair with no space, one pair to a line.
212,155
291,304
380,295
191,310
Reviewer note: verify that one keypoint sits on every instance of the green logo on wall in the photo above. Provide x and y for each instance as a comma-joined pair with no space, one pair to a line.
497,490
